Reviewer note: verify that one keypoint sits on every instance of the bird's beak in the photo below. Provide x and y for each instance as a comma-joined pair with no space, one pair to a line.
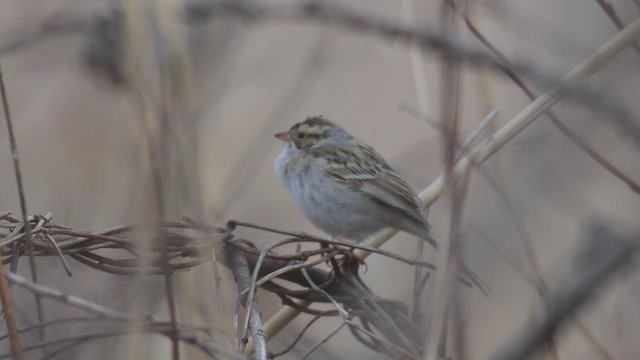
284,136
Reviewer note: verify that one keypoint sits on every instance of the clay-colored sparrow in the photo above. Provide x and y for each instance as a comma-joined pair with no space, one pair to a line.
343,186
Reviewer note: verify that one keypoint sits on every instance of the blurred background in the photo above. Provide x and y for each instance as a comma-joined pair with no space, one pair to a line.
83,105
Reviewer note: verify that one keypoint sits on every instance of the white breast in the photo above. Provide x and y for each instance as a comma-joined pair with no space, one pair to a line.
328,203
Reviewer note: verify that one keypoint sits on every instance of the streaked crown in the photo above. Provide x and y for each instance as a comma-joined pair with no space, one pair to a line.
313,130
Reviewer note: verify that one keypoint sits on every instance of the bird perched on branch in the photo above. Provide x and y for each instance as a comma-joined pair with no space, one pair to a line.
346,189
343,186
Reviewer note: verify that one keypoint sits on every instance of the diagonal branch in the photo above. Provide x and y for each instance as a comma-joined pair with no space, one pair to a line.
577,140
608,9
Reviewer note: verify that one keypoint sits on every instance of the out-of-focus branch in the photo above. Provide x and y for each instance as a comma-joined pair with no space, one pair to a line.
328,12
582,144
602,254
342,16
538,280
608,9
59,24
23,201
150,321
71,300
7,313
322,341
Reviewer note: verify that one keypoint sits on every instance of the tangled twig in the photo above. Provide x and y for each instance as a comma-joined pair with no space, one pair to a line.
189,243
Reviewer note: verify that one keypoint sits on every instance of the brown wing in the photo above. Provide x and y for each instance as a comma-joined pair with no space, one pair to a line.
374,177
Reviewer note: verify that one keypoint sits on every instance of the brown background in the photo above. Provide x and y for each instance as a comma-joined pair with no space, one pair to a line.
83,158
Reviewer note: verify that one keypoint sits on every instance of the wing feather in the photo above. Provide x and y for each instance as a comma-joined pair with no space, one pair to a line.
372,176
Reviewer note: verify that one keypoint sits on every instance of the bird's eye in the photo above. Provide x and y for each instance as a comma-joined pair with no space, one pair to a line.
301,136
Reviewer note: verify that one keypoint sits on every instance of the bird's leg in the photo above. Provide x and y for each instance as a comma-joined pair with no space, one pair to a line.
332,261
349,257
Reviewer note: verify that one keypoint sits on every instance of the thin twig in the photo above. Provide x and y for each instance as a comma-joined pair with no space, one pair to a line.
420,83
595,343
379,317
60,255
273,355
62,321
156,159
218,284
7,310
477,130
608,9
211,349
74,301
277,322
305,237
252,286
297,266
378,338
322,341
514,264
23,201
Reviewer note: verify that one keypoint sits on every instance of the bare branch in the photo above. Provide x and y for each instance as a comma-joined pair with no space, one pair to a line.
240,268
448,261
566,131
608,9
